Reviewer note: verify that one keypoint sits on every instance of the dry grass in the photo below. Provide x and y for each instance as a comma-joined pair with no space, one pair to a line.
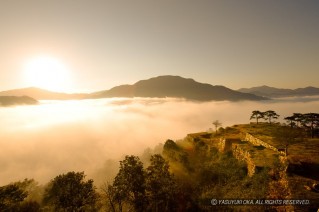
307,151
303,157
261,156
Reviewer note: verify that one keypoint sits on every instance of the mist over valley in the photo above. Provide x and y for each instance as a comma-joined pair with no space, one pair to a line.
54,137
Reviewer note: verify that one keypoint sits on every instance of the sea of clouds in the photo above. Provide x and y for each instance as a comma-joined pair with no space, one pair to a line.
55,137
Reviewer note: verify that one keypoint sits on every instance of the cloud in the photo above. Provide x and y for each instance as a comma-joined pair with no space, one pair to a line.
55,137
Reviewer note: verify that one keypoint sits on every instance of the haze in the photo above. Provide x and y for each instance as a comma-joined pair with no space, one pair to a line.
54,137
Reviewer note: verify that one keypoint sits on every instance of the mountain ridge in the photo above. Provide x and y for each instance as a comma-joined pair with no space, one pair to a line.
16,100
177,87
272,92
168,86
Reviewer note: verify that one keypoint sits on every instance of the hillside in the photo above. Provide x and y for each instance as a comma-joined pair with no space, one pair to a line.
272,92
17,100
178,87
41,94
289,176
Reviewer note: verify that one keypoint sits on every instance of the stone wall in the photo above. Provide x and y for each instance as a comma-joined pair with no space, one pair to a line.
244,155
225,144
257,142
221,144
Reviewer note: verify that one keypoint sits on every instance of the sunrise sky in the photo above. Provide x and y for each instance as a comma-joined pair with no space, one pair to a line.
97,44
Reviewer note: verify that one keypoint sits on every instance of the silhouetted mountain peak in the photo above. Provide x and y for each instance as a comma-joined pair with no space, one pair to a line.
177,87
167,79
161,86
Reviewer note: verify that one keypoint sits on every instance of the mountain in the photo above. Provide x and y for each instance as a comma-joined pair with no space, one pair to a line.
176,86
308,91
41,94
162,86
17,100
272,92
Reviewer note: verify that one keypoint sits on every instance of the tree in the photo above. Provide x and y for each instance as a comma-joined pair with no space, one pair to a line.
114,202
311,121
69,192
291,120
19,196
10,197
270,114
129,183
256,114
170,145
217,124
174,153
171,150
160,186
298,117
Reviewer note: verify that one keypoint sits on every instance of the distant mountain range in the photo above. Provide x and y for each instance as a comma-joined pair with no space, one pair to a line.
177,87
17,100
271,92
167,86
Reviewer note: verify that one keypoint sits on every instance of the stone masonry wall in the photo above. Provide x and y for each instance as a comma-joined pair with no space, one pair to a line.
221,144
225,144
244,155
257,142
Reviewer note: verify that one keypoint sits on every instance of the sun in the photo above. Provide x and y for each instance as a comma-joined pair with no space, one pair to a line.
48,73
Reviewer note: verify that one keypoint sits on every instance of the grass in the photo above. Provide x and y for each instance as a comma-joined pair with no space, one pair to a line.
261,157
205,136
307,151
303,157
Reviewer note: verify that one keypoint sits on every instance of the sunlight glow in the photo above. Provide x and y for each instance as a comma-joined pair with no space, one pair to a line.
47,73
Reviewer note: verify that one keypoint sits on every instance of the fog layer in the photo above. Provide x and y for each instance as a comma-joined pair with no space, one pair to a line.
55,137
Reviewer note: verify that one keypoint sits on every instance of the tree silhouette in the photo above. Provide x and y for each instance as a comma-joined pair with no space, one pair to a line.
256,114
173,152
270,114
10,196
160,186
69,192
129,183
115,203
291,121
298,117
311,121
217,124
20,196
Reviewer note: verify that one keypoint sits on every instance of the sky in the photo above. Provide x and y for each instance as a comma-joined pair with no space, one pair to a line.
104,43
